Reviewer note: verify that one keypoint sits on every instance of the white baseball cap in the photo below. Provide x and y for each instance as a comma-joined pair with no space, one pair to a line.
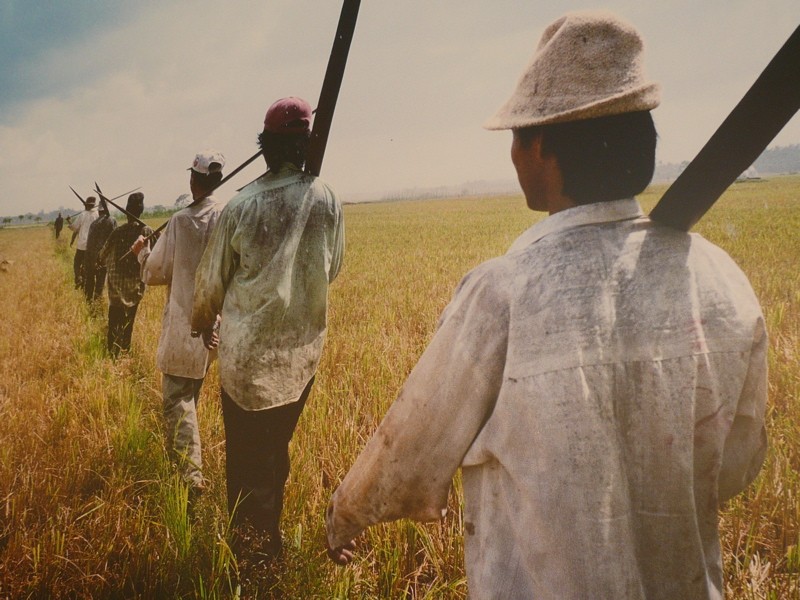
208,161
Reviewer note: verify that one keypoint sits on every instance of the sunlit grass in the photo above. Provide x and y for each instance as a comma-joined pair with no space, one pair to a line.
90,505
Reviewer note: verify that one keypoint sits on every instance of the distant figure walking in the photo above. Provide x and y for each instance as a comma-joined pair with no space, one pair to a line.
80,228
94,273
125,286
58,225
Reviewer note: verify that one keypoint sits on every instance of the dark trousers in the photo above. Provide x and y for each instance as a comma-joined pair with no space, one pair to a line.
120,327
257,461
77,267
94,279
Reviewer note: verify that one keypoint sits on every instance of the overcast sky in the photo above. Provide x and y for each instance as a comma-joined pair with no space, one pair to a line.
125,93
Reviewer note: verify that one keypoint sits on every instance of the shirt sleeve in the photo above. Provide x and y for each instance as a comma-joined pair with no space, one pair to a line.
746,444
407,467
338,245
214,273
103,255
157,263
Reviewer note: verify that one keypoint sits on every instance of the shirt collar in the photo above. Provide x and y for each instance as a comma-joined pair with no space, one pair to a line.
280,177
285,170
578,216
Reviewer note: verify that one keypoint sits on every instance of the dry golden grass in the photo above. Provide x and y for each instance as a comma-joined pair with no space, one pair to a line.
90,506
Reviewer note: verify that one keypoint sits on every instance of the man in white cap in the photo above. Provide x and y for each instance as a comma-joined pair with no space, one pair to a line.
183,359
278,246
601,386
80,227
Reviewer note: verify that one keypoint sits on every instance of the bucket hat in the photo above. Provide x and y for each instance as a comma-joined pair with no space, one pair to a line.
587,64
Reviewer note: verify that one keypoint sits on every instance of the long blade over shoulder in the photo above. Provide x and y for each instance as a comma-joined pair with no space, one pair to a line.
760,115
331,85
78,195
117,206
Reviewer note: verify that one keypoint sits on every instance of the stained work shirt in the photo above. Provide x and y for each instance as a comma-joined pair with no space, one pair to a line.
81,224
277,247
602,386
173,262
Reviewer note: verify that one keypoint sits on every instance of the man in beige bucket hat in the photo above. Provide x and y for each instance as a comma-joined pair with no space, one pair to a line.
601,385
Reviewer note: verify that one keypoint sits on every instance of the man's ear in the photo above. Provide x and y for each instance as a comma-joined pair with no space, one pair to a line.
537,146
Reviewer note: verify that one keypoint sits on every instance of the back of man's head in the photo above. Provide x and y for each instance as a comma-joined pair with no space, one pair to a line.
287,130
602,159
135,204
586,93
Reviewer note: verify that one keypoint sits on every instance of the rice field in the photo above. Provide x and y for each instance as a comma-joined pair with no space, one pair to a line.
90,506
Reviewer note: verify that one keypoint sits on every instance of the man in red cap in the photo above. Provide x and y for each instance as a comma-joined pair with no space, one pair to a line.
266,270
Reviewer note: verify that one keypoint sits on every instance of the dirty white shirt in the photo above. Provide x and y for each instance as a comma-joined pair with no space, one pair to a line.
602,386
81,224
278,246
173,262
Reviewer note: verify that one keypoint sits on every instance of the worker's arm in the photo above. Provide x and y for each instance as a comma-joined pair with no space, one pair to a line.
407,467
213,275
746,444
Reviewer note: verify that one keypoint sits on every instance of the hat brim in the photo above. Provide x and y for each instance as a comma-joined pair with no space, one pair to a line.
518,113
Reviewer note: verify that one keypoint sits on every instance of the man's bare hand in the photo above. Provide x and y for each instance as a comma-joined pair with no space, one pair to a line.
138,245
342,555
210,338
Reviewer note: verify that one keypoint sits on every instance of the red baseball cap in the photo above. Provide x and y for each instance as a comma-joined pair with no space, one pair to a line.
288,115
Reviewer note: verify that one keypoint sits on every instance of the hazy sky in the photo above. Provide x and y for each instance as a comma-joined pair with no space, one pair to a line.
125,93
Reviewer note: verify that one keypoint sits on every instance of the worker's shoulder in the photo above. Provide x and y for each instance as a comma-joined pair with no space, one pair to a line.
490,277
292,188
199,210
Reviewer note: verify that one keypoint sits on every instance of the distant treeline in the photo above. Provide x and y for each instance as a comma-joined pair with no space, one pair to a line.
781,160
49,217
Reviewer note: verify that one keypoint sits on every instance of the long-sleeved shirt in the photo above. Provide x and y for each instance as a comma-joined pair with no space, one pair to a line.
81,224
278,245
99,231
125,286
173,262
602,387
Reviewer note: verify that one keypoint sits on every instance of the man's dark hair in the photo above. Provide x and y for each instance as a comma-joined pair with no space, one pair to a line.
208,181
602,159
279,148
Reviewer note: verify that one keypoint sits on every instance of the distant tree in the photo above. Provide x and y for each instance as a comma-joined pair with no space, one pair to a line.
38,218
21,217
7,219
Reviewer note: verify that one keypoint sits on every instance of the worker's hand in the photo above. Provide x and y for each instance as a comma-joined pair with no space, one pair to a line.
138,245
343,554
210,338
